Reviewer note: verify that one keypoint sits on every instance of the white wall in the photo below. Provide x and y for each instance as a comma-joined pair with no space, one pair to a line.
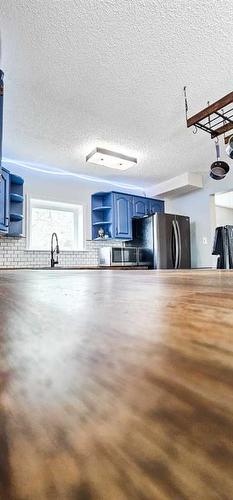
224,216
13,251
199,206
14,254
65,189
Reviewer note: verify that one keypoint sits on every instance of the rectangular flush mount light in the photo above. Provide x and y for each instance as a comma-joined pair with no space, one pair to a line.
110,159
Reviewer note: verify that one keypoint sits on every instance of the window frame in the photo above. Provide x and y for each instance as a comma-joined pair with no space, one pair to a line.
76,209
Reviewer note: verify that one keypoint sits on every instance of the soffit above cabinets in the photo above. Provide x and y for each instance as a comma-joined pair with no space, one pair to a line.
177,186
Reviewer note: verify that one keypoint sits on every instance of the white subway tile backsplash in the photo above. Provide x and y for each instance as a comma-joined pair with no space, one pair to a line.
13,254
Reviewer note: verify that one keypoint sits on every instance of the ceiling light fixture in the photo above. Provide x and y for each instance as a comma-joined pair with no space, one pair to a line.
110,159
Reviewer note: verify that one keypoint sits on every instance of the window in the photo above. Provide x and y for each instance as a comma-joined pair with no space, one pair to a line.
47,217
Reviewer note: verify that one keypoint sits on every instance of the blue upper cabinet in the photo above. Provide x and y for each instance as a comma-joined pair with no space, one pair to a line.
156,206
112,213
11,204
141,206
102,214
11,190
4,183
123,212
4,201
16,205
146,206
1,110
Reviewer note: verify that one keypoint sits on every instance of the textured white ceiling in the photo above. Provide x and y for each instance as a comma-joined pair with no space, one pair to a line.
87,73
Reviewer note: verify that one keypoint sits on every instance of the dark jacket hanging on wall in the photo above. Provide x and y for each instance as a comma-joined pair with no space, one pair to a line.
223,247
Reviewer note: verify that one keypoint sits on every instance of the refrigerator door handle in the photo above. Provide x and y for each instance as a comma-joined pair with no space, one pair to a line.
173,248
176,244
179,244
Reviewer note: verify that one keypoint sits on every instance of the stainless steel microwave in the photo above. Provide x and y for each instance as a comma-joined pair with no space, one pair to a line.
118,256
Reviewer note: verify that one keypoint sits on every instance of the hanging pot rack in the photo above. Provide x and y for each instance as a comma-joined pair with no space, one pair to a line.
226,139
214,119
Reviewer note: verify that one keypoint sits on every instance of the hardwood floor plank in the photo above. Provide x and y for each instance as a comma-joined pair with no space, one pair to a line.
116,385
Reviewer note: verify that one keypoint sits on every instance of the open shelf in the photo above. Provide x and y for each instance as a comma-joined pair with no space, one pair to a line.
16,179
16,217
15,234
101,205
16,198
101,239
16,205
101,223
101,208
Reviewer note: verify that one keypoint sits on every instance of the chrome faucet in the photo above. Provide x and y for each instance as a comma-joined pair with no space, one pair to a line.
54,250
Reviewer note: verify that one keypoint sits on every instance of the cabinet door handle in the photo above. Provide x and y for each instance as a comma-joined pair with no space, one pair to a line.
116,230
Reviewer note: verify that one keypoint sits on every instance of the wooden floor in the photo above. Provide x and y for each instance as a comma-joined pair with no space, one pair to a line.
116,385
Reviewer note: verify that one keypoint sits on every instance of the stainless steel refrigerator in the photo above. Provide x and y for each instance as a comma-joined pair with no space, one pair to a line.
164,239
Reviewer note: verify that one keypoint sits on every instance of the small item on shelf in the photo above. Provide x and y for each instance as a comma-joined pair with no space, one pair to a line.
101,233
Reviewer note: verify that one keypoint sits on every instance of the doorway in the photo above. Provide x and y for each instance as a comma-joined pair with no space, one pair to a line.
224,208
221,212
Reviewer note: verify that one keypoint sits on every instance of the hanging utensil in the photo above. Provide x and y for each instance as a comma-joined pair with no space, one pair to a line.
218,169
229,148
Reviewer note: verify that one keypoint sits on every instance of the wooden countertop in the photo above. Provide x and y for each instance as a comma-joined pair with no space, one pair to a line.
72,268
116,386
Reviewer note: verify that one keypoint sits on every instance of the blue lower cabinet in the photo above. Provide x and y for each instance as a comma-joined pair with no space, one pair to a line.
141,206
4,201
123,212
156,206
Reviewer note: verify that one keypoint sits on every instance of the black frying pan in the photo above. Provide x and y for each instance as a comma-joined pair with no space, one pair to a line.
218,169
